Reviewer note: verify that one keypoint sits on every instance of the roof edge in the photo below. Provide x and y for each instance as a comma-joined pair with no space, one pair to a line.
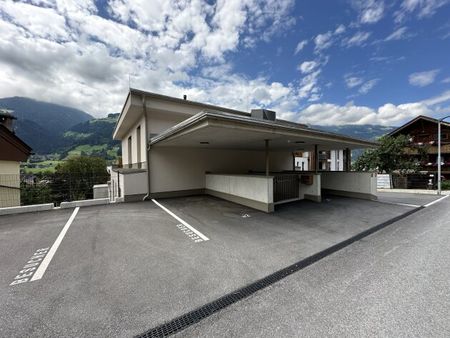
205,114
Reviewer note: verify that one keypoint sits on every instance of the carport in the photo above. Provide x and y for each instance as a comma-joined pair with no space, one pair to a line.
249,160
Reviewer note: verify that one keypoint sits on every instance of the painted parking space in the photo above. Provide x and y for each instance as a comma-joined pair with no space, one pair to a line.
25,236
121,269
185,227
29,269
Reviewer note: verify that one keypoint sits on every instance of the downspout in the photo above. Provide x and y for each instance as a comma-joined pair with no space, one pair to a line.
147,149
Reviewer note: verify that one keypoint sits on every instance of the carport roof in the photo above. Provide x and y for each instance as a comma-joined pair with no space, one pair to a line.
212,129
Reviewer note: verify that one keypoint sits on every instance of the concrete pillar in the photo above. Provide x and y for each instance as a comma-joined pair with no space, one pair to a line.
316,158
348,159
267,156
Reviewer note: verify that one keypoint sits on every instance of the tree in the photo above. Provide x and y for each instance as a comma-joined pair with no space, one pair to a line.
74,178
390,156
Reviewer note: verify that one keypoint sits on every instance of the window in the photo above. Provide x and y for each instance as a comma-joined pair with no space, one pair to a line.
130,158
138,145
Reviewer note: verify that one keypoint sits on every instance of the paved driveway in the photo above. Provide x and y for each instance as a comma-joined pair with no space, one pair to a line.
407,198
122,269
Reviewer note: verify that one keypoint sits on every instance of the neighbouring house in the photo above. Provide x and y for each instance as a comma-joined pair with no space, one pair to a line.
423,133
12,151
332,160
176,147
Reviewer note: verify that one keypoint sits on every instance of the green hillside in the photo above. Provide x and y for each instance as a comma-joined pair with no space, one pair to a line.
42,124
93,138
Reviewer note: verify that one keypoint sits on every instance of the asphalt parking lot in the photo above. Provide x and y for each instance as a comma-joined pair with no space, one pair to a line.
123,269
407,198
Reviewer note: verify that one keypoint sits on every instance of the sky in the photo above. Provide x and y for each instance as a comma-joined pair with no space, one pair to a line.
312,61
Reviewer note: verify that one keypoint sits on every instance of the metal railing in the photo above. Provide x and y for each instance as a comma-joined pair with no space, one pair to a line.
136,165
285,187
414,181
16,190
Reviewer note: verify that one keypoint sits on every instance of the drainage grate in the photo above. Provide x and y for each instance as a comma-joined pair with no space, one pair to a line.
180,323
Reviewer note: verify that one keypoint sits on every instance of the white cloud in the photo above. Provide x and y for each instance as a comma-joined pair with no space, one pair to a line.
367,86
422,79
36,20
352,81
422,8
388,114
302,44
308,66
357,39
399,34
340,29
66,52
309,86
446,80
323,41
369,11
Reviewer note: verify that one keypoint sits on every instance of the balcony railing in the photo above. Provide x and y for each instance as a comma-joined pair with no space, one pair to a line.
137,165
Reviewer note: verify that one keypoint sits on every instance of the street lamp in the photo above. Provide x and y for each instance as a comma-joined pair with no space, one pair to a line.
439,153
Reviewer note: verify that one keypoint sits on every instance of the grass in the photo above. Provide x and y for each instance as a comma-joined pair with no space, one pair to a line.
39,167
75,135
86,149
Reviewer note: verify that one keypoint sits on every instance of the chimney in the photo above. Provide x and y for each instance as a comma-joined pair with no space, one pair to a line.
7,119
185,97
263,114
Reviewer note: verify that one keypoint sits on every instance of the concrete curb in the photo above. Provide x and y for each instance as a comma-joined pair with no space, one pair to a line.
51,206
415,191
26,208
84,203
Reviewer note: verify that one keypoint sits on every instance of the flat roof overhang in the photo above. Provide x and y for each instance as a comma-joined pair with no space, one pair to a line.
228,131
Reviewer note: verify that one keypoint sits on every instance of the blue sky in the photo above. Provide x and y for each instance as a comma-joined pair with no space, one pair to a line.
318,62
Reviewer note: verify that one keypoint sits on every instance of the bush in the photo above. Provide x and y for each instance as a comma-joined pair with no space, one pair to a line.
445,185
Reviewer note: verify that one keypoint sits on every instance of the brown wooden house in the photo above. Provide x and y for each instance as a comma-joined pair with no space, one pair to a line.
423,133
12,151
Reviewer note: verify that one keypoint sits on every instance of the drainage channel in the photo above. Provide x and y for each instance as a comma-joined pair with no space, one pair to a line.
182,322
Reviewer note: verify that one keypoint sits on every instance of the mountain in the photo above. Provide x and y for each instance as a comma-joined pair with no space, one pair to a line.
49,115
93,137
361,131
50,128
41,124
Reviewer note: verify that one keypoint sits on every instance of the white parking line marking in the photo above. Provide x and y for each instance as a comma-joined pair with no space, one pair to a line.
401,204
198,233
28,270
189,233
41,270
436,201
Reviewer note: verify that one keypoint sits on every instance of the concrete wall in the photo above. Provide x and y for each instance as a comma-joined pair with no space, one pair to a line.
101,191
352,184
134,186
134,144
175,169
158,122
311,192
251,190
9,177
